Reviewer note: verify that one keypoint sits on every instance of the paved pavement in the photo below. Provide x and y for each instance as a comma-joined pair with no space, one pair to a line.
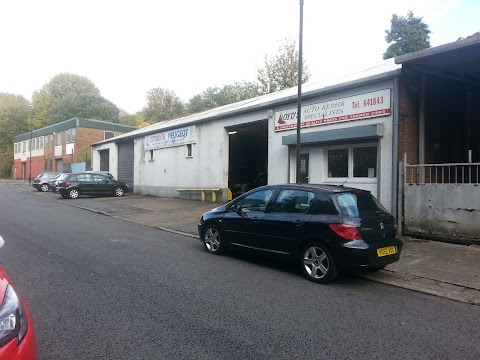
447,270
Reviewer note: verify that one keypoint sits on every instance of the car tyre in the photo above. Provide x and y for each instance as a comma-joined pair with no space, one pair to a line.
118,191
212,240
73,193
44,187
317,263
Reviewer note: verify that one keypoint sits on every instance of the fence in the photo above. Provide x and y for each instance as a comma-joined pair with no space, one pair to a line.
456,173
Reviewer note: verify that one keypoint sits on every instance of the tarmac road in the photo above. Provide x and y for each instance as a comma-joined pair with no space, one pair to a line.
102,288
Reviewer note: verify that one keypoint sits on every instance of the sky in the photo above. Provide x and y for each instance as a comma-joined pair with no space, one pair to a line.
127,48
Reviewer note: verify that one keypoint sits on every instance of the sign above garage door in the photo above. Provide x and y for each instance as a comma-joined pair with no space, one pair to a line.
170,138
362,106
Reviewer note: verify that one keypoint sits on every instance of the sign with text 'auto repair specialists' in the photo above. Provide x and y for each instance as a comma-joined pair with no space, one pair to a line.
170,138
355,107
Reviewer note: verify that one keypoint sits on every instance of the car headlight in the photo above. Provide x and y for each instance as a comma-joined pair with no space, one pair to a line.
13,319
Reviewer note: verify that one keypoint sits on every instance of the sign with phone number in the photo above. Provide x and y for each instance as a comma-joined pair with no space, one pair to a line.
362,106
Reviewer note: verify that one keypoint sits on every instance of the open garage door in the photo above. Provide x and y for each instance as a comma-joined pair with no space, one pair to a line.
248,157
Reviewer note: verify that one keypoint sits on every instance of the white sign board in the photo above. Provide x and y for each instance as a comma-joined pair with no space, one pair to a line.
170,138
355,107
58,150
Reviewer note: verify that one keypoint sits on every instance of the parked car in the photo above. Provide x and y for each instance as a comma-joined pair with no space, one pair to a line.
41,181
106,173
17,334
52,184
90,183
323,228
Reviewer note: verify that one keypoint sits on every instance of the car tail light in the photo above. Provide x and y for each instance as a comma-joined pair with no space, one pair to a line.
65,184
349,232
36,181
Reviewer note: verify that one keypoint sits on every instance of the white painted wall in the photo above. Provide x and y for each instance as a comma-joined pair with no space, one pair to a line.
282,166
113,157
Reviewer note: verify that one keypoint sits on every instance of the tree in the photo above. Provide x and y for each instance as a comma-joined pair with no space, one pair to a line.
407,34
219,96
68,95
162,104
280,71
15,112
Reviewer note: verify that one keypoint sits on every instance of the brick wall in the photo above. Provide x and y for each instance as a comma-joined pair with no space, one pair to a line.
408,121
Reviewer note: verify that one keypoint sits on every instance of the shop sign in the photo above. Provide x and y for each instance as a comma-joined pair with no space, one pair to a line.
170,138
368,105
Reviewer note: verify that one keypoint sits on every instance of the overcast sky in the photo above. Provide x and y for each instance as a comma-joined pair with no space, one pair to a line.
129,47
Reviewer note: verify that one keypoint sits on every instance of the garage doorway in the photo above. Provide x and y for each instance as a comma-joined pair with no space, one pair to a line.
248,157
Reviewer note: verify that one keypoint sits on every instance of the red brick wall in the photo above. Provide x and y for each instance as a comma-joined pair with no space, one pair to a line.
408,121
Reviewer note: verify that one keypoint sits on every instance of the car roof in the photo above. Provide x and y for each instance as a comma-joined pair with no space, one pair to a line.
323,187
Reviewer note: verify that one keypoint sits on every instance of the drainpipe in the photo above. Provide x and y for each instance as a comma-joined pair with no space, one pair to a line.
396,113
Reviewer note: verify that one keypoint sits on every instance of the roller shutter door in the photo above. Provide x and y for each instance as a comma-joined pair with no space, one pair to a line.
125,162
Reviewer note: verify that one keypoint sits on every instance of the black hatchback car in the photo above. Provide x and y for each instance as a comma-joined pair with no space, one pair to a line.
73,185
324,228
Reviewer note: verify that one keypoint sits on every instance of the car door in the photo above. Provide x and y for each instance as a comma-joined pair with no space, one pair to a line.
103,185
86,184
284,225
241,223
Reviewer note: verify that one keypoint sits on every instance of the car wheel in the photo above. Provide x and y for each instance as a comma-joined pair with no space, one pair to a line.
212,240
73,194
317,263
118,191
44,187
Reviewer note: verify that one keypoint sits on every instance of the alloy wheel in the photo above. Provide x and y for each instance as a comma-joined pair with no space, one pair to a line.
212,240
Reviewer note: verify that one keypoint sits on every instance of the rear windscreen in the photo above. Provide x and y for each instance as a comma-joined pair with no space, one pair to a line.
359,204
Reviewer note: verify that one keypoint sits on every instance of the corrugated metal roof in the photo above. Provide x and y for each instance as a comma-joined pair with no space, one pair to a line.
72,123
386,69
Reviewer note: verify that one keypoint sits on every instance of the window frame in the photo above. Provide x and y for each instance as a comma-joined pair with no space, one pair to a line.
350,148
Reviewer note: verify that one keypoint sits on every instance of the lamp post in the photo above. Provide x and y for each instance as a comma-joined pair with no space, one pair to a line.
299,99
30,156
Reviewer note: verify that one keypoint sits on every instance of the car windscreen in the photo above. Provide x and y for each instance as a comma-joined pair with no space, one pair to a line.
358,204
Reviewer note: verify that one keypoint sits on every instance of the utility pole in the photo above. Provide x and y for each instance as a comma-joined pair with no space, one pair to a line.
299,99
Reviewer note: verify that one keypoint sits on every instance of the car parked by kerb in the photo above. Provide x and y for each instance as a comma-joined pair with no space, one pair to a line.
17,334
41,181
323,228
90,183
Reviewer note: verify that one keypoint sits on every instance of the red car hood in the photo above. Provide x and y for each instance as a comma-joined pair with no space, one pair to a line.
4,281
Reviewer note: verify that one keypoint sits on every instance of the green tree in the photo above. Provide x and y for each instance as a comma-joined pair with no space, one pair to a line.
68,95
280,71
162,104
15,112
218,96
407,34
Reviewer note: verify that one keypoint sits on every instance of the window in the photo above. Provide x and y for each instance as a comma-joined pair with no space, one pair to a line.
293,201
189,150
359,204
41,142
257,201
59,138
151,155
338,163
356,161
108,135
84,177
100,178
70,135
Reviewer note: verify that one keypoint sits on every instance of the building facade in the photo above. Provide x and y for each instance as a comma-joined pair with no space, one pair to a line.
62,147
406,130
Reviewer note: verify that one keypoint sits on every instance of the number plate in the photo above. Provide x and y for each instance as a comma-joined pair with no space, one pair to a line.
386,251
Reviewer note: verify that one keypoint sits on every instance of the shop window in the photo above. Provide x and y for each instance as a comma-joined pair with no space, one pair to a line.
365,162
352,161
338,163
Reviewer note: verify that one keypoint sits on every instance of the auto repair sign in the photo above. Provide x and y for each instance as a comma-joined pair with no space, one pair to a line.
368,105
170,138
